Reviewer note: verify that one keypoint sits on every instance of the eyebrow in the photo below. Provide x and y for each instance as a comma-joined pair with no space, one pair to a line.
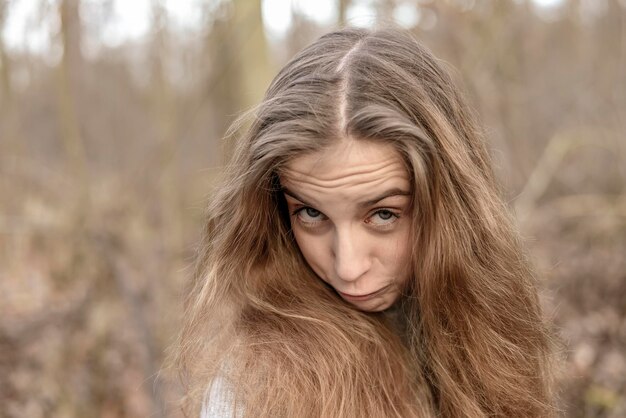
388,193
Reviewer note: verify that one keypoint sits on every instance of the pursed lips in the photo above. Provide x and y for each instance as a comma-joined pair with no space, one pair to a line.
364,296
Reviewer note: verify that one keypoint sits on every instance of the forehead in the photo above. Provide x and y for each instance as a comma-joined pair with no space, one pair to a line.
346,164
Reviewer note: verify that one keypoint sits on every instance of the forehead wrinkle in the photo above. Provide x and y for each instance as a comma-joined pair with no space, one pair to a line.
373,169
363,181
317,192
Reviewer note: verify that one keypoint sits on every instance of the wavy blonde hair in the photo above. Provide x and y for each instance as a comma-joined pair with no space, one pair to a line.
467,338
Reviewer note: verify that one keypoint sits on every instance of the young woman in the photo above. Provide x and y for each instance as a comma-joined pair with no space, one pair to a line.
358,260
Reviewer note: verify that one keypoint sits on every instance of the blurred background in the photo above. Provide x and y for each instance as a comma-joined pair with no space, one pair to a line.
112,119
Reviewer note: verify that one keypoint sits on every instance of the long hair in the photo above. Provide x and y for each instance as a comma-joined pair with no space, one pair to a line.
466,339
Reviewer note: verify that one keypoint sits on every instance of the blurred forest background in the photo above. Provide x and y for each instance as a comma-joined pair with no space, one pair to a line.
111,136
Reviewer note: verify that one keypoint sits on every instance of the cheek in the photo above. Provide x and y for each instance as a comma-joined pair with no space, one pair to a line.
315,251
396,255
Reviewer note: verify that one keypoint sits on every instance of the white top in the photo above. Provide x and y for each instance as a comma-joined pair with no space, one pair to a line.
218,402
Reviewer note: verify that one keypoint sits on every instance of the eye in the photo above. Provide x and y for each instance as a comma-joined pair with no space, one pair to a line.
309,215
382,217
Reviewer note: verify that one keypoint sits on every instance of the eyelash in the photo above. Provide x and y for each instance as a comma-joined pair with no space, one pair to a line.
382,226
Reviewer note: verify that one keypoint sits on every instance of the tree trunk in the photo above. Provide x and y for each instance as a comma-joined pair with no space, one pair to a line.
12,146
166,122
241,69
68,72
343,12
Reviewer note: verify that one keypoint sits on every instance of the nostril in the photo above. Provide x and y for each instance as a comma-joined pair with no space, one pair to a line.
349,267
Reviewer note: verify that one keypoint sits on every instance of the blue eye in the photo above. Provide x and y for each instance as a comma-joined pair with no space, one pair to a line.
310,215
383,217
312,212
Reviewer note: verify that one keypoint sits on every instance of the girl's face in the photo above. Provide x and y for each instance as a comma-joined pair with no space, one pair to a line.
349,207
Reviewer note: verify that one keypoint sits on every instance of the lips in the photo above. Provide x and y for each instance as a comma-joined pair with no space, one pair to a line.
362,297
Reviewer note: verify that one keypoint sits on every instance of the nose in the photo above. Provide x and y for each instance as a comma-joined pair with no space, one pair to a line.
351,257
